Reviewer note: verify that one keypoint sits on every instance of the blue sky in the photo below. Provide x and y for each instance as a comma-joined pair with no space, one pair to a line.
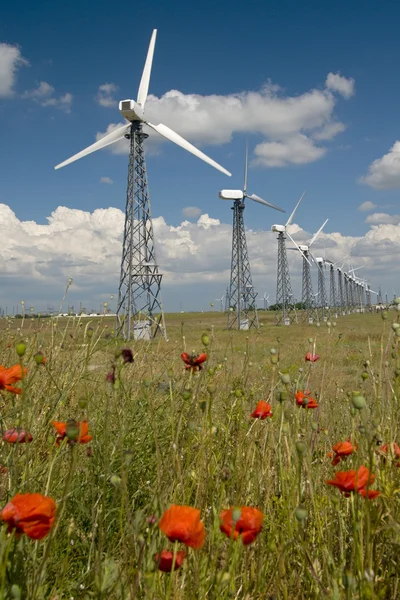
220,48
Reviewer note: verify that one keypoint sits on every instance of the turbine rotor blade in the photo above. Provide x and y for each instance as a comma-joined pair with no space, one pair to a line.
290,219
314,237
245,169
172,136
261,201
298,248
144,82
108,139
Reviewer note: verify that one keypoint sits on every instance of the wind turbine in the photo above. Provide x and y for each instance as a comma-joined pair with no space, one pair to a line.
283,286
222,301
266,302
140,281
242,297
307,296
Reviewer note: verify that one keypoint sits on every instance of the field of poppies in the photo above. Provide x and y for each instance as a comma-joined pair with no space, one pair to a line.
217,465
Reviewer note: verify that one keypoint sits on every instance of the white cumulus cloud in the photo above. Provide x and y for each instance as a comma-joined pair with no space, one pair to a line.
383,218
11,60
87,247
105,95
366,206
384,172
107,180
340,84
291,125
45,95
191,212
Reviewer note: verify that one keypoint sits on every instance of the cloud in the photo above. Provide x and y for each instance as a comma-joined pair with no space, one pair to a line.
340,84
191,212
107,180
384,173
87,247
105,95
383,218
44,95
367,205
11,60
290,125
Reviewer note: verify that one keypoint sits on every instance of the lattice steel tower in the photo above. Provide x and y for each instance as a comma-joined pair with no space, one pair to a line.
242,308
307,296
333,301
139,308
323,308
242,312
342,299
285,313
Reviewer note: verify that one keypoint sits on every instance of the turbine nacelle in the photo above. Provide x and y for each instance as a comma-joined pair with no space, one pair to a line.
131,110
303,248
231,195
278,228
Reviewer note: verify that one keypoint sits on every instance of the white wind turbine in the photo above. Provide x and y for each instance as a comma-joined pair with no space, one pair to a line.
139,292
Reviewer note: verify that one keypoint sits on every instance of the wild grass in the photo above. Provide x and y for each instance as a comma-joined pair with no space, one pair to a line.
163,435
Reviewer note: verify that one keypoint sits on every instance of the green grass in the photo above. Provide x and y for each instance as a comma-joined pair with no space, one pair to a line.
162,435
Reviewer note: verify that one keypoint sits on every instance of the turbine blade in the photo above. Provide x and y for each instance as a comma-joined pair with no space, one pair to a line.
290,219
245,169
169,134
108,139
144,82
314,237
298,248
261,201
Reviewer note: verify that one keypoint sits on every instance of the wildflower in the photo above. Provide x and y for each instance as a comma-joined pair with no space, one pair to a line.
392,450
32,514
17,436
10,376
110,377
247,525
192,361
262,410
354,481
305,401
310,357
74,431
182,524
340,451
127,355
165,560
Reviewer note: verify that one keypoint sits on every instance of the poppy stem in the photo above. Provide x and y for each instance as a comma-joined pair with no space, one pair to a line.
172,571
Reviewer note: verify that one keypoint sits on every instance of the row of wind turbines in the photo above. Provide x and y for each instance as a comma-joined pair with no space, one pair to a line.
139,309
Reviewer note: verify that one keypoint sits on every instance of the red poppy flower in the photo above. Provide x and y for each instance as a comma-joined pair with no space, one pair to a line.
310,357
10,376
182,524
391,450
340,451
354,481
262,410
17,436
74,431
165,560
305,400
32,514
248,525
192,361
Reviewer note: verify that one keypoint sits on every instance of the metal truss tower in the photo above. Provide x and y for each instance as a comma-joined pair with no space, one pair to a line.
379,299
347,293
307,296
284,294
333,299
242,313
322,297
368,297
139,311
342,297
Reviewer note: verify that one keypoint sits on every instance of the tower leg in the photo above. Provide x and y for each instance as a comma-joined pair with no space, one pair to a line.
284,295
139,311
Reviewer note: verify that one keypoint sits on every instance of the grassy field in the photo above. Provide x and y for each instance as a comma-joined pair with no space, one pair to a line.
163,435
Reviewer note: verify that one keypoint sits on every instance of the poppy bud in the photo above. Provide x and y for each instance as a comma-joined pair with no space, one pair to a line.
278,339
353,411
285,428
364,375
238,393
205,340
310,340
20,348
285,378
89,332
82,403
211,388
358,401
384,315
271,547
274,360
39,358
301,448
211,371
186,395
115,480
72,430
396,301
334,324
300,513
314,426
272,351
395,326
170,373
328,324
